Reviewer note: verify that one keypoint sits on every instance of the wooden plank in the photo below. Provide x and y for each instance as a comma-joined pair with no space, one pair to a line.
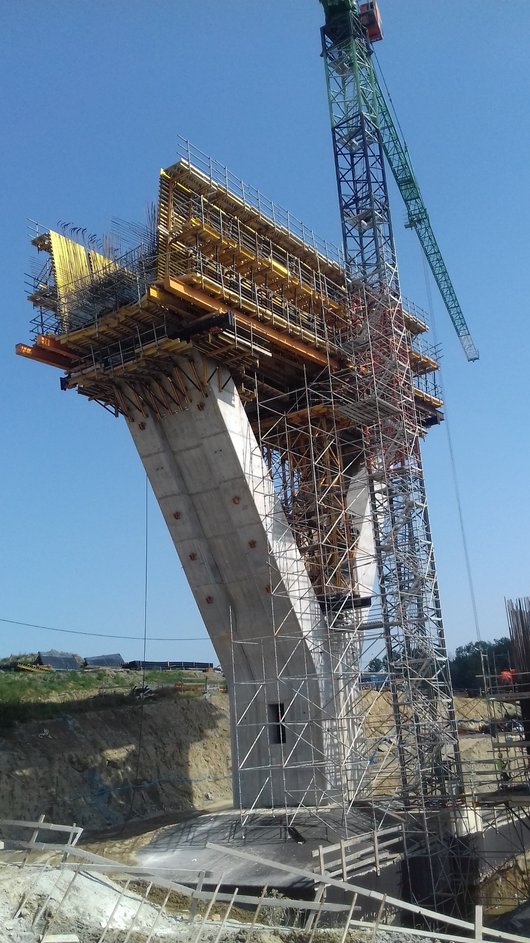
60,938
348,919
379,915
213,898
118,901
312,913
283,903
365,892
427,934
41,825
318,914
194,899
369,863
376,855
478,923
226,915
132,925
358,856
158,917
358,839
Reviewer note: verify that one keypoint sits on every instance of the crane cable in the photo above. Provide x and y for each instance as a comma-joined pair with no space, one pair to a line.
391,103
454,473
144,647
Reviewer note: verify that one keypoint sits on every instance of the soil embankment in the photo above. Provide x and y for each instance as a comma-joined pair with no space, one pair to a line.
100,768
104,767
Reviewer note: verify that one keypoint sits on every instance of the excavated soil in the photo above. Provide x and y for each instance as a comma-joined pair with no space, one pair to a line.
88,768
104,767
123,774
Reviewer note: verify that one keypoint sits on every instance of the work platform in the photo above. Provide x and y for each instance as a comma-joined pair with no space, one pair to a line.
221,277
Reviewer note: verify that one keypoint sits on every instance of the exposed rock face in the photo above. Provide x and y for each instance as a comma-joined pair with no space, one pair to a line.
88,768
84,767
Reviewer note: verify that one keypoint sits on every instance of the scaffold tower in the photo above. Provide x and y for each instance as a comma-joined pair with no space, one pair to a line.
411,619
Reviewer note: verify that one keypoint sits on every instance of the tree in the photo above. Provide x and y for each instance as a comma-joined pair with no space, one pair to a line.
376,665
476,659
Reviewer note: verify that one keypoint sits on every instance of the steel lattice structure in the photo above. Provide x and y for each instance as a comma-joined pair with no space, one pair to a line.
418,218
412,626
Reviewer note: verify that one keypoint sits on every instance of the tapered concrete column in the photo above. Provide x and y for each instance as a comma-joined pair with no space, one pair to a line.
249,581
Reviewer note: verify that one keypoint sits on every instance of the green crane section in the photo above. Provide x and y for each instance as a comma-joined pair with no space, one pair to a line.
397,156
418,218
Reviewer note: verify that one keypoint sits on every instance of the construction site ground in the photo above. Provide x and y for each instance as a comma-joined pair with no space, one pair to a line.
138,760
126,773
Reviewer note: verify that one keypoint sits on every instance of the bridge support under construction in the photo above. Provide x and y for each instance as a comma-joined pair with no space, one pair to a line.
250,583
246,363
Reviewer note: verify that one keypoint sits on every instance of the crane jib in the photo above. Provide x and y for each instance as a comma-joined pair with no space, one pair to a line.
418,219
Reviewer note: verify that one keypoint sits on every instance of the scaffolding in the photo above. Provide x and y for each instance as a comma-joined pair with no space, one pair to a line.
315,434
338,385
506,685
498,786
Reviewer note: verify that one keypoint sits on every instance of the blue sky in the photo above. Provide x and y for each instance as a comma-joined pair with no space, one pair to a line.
94,96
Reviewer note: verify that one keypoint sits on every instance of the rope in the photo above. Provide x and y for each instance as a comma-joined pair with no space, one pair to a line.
142,698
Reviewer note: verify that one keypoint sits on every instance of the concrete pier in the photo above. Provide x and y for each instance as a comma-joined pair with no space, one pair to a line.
250,584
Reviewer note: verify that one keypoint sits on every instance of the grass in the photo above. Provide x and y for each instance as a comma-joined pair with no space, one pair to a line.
43,695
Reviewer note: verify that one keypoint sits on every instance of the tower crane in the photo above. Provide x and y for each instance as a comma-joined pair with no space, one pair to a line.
399,162
407,591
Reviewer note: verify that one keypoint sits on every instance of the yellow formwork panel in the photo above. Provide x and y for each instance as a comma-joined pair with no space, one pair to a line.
73,262
100,264
70,261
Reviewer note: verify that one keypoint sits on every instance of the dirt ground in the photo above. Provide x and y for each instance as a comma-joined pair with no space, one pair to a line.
88,768
126,773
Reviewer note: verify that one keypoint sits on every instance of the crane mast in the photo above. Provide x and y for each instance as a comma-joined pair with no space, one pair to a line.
411,620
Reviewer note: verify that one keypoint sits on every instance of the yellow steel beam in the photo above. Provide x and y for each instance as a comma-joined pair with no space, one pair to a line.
427,399
51,343
260,313
42,355
422,361
202,300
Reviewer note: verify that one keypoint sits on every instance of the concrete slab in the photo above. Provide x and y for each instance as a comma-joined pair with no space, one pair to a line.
182,847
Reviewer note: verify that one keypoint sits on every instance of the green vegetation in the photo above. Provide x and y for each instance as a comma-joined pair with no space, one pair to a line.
45,694
472,660
469,663
26,658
